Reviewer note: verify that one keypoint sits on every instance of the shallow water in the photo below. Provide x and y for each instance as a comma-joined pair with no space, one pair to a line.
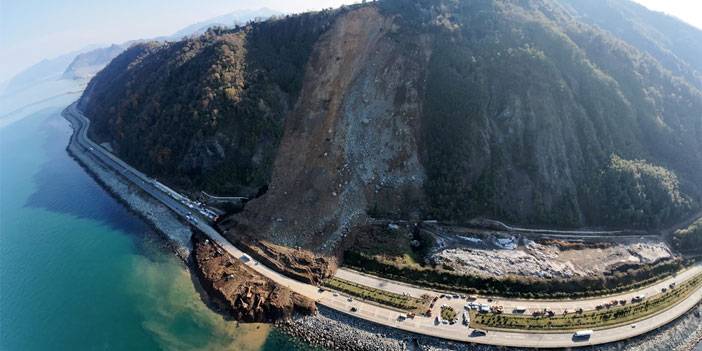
78,271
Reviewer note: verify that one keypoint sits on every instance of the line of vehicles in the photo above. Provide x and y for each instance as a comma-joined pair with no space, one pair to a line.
193,205
190,218
482,308
200,207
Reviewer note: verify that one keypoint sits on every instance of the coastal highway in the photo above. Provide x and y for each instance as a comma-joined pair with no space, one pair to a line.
374,313
557,306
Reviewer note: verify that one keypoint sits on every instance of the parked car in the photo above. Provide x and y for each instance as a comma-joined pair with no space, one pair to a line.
519,309
476,333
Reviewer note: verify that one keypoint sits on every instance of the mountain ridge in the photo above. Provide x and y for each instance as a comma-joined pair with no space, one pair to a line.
518,111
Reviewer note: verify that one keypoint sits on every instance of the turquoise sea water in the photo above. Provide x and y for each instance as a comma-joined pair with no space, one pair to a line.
78,271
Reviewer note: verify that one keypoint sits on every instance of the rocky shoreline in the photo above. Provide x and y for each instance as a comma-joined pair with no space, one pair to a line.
337,331
164,221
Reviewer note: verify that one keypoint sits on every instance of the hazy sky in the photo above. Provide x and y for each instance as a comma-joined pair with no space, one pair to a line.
689,11
31,30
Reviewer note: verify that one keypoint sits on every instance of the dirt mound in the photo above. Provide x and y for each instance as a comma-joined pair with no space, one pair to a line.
296,263
242,292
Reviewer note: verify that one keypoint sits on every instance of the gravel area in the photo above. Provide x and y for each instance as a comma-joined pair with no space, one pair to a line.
337,331
524,257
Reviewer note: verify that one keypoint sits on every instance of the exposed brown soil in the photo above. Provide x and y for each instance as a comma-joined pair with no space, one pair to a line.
296,263
241,291
575,245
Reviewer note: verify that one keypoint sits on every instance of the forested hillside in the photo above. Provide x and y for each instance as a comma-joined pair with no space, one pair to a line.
690,239
205,112
674,44
561,113
525,108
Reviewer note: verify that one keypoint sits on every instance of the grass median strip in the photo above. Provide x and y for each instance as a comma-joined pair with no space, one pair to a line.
399,301
606,317
448,313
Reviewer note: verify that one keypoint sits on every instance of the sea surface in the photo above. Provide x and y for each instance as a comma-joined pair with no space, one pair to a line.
79,271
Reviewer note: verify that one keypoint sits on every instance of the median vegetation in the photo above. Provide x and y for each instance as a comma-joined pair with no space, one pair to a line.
604,317
448,313
399,301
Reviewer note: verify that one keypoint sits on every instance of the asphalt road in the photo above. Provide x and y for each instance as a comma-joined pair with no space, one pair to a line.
558,306
379,314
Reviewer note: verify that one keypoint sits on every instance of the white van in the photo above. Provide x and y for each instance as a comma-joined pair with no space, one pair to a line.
583,334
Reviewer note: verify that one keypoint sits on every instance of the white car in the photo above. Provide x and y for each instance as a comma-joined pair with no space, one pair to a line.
583,334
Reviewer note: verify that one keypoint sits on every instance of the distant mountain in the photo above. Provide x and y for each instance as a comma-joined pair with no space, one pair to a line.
237,17
47,69
674,44
87,64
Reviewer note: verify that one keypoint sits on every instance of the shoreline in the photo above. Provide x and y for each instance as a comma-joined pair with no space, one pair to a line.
175,233
156,216
331,329
337,331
